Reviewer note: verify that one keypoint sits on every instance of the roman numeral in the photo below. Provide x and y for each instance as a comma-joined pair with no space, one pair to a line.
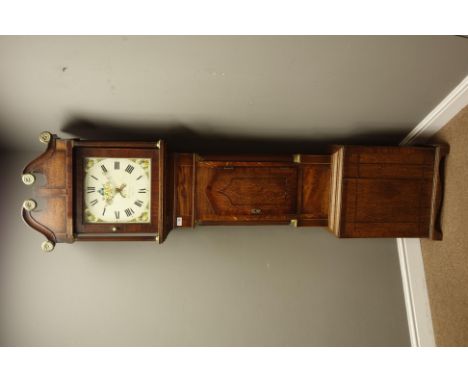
117,214
103,211
103,168
130,169
92,176
129,212
142,191
141,176
139,203
91,189
117,165
93,202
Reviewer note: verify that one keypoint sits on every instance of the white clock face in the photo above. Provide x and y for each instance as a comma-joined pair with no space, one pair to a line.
117,190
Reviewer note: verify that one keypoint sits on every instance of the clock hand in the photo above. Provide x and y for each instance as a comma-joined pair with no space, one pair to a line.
109,190
120,189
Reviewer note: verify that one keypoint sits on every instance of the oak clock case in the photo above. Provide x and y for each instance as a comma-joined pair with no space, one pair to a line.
110,190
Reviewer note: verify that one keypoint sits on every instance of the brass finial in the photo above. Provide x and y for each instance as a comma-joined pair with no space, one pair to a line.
47,246
28,179
29,204
45,137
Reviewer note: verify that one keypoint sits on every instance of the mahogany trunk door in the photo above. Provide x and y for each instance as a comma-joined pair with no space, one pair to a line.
245,192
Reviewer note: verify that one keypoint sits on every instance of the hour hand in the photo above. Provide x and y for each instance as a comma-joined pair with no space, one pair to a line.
120,189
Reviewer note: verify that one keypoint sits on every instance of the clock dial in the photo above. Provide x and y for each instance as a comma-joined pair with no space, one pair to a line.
117,190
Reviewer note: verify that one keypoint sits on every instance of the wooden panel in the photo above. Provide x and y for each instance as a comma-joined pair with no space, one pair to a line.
227,192
396,155
52,207
85,237
435,226
308,222
383,170
116,144
314,159
353,229
388,200
166,190
314,194
348,202
385,192
217,164
245,158
183,174
53,216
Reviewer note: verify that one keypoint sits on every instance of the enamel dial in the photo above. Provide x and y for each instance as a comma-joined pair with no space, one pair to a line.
117,190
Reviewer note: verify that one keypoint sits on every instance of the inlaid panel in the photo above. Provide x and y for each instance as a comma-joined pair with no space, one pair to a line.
230,192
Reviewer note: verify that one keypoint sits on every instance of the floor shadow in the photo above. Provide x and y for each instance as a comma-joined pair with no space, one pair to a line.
182,138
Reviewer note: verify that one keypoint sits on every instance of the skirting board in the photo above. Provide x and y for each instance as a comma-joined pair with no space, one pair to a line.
442,113
409,250
418,310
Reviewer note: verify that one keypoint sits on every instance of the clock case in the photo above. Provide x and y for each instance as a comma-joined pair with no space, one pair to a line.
355,191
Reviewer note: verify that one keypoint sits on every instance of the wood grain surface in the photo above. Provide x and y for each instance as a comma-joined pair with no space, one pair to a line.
385,191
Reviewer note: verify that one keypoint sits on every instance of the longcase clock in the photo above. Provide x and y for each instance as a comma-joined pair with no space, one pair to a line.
111,190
